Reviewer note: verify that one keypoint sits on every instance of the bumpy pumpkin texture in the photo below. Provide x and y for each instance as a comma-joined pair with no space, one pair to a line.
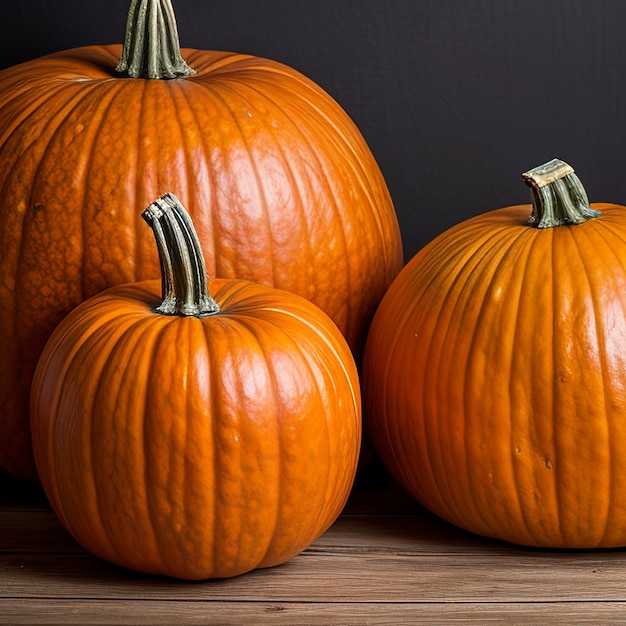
281,185
196,445
495,372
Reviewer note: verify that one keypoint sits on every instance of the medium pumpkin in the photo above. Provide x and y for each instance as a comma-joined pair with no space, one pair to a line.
281,185
495,371
201,438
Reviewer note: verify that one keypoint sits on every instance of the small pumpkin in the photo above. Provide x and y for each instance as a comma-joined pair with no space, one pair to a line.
495,370
201,437
281,185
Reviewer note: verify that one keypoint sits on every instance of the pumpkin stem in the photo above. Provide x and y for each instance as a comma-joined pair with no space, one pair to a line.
151,47
184,282
558,196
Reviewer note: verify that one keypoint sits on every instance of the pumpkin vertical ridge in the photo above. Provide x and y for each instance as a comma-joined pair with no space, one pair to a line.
104,108
182,108
60,118
148,339
214,408
324,180
196,196
496,257
287,167
106,335
337,217
523,268
320,394
22,116
46,442
268,555
96,523
559,301
540,261
17,260
435,368
480,333
242,494
316,370
165,483
601,333
604,232
449,337
260,191
175,474
182,140
354,391
350,148
137,173
354,147
216,252
604,229
607,373
525,429
226,397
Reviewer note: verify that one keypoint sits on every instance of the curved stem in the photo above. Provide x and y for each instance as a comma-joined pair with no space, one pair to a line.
558,196
184,282
151,47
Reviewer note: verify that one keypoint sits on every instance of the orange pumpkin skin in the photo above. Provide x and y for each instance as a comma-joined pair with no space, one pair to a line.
494,379
196,448
281,185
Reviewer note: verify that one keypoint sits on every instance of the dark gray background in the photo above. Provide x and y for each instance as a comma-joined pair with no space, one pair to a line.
456,98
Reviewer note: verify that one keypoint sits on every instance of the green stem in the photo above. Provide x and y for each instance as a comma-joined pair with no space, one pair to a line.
151,47
558,196
184,282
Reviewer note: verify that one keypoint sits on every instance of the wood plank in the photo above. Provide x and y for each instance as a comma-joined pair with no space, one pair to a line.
340,578
151,613
40,531
385,561
405,534
415,558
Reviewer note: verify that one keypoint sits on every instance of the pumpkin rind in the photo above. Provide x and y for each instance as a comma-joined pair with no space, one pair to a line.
281,185
196,447
495,378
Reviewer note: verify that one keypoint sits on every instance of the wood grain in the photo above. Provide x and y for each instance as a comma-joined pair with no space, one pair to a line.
385,561
156,613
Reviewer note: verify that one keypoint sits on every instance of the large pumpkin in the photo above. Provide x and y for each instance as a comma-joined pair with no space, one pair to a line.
495,371
281,185
201,438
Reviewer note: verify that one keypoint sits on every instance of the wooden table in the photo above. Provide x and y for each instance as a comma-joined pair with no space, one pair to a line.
385,561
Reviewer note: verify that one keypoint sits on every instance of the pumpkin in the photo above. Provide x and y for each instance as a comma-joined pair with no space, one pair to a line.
281,185
202,436
494,374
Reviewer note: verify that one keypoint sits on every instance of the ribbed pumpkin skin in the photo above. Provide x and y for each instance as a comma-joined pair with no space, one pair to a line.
280,183
495,379
196,448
